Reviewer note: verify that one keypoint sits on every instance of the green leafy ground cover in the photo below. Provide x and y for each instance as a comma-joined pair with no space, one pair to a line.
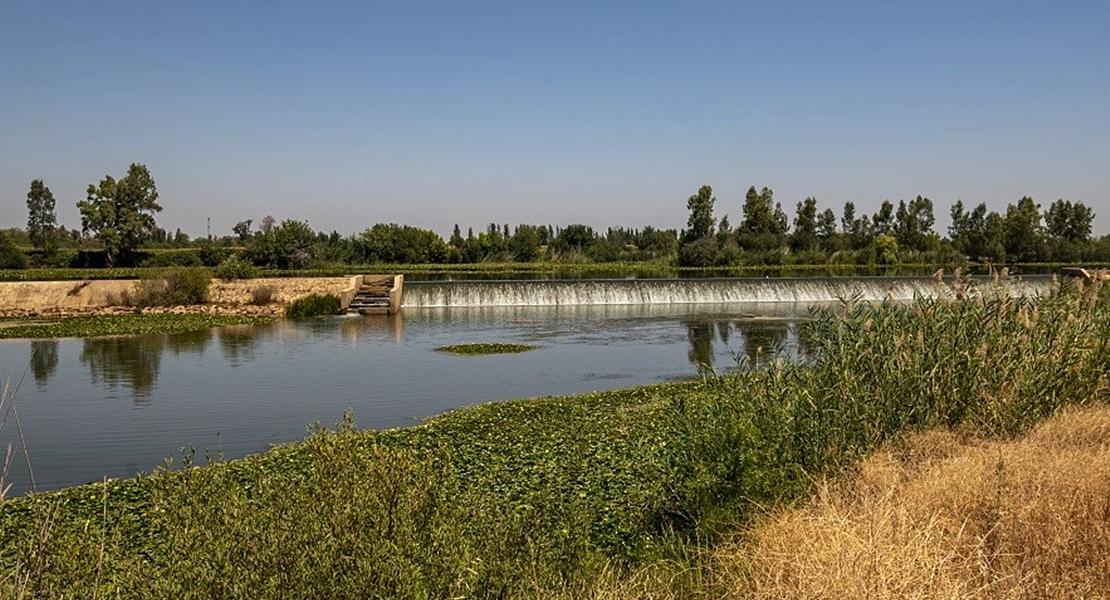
125,324
483,348
546,497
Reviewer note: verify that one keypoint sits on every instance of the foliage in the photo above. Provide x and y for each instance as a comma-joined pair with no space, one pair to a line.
701,221
116,325
11,257
313,305
234,267
263,295
291,245
699,253
173,287
184,257
121,213
42,221
392,243
477,349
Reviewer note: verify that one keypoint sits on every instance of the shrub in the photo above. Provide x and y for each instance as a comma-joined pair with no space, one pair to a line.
315,305
234,267
263,295
11,257
174,286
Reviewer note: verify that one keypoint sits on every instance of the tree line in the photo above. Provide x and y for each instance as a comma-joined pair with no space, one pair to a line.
118,221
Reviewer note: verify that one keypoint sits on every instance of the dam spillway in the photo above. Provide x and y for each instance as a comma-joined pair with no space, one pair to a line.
600,292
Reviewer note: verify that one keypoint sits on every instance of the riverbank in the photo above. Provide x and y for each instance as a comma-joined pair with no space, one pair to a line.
106,297
547,497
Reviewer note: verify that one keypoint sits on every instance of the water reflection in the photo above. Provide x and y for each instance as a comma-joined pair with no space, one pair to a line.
239,343
135,362
132,362
44,360
752,342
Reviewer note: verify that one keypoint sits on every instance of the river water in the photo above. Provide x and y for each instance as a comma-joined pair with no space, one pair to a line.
114,407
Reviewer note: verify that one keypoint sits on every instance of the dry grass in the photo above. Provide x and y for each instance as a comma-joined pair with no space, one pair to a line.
937,516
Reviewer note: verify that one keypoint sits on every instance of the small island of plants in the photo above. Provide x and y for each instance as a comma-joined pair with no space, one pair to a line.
482,349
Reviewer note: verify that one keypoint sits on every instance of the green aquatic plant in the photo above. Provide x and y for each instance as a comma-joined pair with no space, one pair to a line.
313,305
481,349
123,324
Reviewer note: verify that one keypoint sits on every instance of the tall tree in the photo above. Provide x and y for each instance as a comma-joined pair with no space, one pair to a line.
1024,235
882,222
701,222
913,222
1069,221
805,226
121,213
42,222
762,215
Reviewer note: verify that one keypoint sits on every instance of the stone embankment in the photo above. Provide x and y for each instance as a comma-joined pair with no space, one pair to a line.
250,297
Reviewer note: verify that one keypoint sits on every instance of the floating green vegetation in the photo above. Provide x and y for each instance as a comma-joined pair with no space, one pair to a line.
112,325
486,348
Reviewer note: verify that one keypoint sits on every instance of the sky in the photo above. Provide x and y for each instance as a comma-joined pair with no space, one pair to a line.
347,114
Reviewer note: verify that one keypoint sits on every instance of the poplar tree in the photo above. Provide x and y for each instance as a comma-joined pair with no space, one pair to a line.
42,222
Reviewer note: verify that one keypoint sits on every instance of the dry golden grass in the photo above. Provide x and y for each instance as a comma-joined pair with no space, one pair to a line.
937,516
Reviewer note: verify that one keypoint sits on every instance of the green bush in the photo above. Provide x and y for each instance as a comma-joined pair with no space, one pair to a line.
315,305
234,267
174,286
11,257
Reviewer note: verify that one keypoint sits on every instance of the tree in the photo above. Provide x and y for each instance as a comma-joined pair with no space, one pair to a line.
826,231
882,222
42,222
526,241
1067,221
701,221
242,229
393,243
289,245
913,223
765,224
1024,236
121,213
805,226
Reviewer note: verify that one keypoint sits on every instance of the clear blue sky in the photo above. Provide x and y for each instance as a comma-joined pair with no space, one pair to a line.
604,113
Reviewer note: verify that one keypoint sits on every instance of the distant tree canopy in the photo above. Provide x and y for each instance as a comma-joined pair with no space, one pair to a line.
121,213
290,245
393,243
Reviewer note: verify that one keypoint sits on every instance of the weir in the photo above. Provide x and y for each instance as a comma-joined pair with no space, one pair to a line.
797,290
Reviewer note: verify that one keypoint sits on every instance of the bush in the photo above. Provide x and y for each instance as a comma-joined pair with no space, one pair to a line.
263,295
315,305
10,256
233,267
173,287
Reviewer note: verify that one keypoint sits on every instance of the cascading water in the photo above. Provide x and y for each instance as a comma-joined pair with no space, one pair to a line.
800,290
